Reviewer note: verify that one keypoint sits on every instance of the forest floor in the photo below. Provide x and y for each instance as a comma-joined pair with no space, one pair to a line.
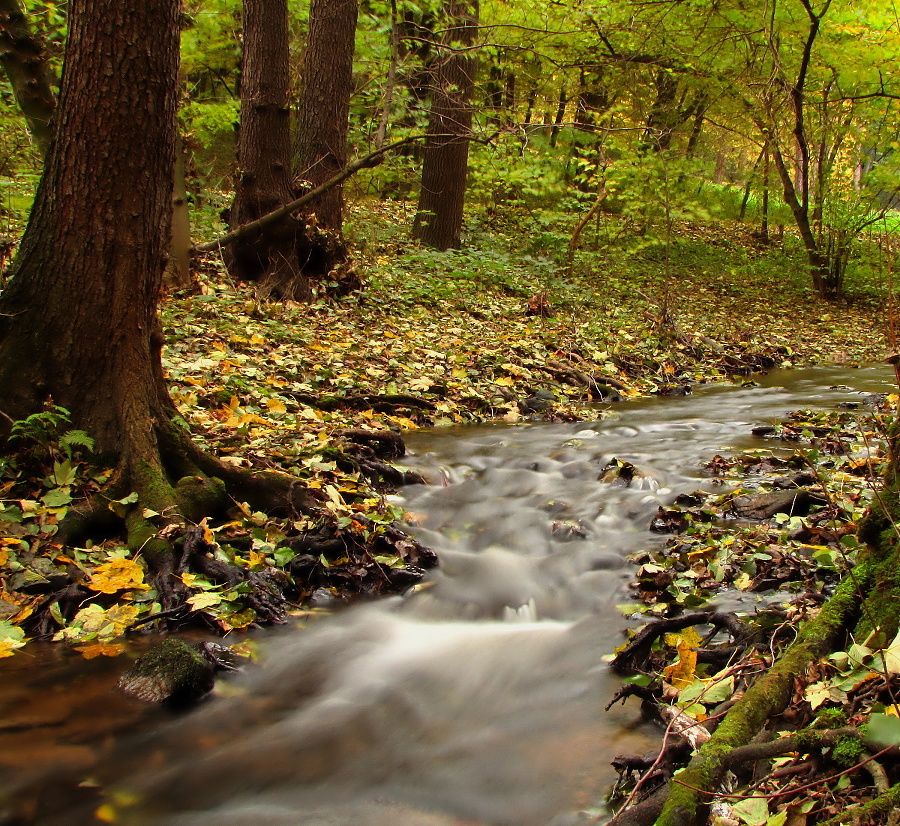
499,330
506,330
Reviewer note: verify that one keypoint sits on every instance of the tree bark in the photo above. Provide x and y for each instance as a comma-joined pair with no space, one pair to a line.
78,321
264,152
21,54
178,270
324,108
285,258
438,221
78,317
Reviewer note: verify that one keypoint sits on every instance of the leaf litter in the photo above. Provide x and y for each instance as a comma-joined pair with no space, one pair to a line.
435,339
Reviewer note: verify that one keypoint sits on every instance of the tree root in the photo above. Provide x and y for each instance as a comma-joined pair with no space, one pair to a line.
634,656
160,506
766,697
804,742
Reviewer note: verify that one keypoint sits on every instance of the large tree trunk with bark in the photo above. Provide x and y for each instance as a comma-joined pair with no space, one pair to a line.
285,258
324,107
78,320
274,257
439,218
21,55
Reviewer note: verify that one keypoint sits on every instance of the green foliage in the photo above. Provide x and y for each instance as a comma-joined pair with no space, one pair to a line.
42,428
848,751
210,136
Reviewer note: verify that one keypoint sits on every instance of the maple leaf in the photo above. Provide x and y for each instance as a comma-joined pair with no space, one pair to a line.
118,575
204,600
101,649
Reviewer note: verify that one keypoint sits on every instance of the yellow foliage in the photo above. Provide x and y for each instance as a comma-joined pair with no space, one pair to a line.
118,575
101,649
682,672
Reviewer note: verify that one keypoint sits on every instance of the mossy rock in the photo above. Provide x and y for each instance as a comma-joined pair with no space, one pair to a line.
173,672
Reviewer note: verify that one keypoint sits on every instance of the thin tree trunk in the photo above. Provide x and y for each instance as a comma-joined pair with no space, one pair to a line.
178,269
439,218
21,55
764,219
390,80
323,111
560,114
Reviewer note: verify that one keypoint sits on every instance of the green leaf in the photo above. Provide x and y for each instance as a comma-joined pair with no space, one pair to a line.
64,473
57,498
205,599
754,811
883,730
391,560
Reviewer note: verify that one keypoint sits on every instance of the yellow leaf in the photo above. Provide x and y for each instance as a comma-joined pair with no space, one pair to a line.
118,575
203,600
503,381
892,710
106,814
681,673
8,647
276,406
208,536
744,581
101,649
257,339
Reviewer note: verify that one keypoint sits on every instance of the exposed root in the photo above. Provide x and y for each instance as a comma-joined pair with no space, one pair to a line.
161,506
885,805
635,654
687,801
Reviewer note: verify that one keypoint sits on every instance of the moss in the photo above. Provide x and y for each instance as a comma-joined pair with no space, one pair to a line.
829,718
848,751
198,496
172,671
768,696
872,811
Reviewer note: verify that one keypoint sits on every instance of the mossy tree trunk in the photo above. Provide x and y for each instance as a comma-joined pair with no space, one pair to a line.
880,530
78,320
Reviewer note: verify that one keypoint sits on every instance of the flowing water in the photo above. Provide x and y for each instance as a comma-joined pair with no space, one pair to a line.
480,698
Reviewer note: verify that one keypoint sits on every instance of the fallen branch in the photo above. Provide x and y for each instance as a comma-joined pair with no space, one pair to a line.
365,162
634,655
884,804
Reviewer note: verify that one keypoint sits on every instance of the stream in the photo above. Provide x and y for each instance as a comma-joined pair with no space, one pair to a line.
477,700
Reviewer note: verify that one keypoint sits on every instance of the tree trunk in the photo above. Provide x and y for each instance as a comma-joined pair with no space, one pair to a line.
324,108
79,315
271,258
178,270
286,257
439,218
78,321
820,268
22,57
